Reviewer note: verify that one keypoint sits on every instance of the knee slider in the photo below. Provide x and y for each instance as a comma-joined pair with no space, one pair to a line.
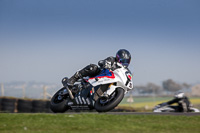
93,67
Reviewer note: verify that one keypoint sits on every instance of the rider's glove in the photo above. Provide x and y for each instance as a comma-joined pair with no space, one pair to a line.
107,64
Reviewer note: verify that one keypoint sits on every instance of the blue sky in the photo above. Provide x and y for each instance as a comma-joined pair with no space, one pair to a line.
46,40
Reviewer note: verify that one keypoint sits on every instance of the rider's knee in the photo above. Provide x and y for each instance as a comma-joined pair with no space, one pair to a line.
90,70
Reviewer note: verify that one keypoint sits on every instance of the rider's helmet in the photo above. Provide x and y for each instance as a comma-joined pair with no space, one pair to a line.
123,57
179,95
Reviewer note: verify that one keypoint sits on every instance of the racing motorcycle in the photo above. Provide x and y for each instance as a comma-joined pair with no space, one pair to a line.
102,92
173,109
183,102
168,108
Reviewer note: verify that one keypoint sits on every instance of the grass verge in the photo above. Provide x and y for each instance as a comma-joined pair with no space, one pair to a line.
101,123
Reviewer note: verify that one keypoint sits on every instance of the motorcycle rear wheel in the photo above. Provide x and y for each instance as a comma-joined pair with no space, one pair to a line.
59,105
112,103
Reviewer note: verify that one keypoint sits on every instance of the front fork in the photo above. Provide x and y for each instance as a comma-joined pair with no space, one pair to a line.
110,90
103,91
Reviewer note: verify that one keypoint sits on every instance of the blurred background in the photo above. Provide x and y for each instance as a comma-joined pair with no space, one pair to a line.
42,41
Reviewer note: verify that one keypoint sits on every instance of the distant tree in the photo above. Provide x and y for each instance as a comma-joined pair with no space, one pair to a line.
153,88
171,86
149,88
141,89
186,86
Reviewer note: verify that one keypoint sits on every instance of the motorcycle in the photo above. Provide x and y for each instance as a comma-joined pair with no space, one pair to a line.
102,92
164,107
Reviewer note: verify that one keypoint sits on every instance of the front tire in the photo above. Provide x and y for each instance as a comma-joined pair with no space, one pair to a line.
117,97
59,105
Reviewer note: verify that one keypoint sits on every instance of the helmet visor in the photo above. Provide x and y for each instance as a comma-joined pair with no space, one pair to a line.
124,62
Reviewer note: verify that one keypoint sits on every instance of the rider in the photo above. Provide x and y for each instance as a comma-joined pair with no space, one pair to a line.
182,100
123,57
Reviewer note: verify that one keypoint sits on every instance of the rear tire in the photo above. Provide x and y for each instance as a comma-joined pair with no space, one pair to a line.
119,95
58,106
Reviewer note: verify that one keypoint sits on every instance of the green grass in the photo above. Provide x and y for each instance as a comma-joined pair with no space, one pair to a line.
101,123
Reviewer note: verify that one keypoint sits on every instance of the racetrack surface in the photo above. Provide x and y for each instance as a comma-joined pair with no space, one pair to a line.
137,113
151,113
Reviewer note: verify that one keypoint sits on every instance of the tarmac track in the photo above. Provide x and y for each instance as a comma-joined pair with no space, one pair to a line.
151,113
137,113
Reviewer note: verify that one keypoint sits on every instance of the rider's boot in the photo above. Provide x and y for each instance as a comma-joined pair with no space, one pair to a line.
70,82
89,70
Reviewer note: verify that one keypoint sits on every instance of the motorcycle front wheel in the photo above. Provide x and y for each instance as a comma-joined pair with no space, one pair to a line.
104,105
58,102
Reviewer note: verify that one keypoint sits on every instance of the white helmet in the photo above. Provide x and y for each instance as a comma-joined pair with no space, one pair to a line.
179,95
